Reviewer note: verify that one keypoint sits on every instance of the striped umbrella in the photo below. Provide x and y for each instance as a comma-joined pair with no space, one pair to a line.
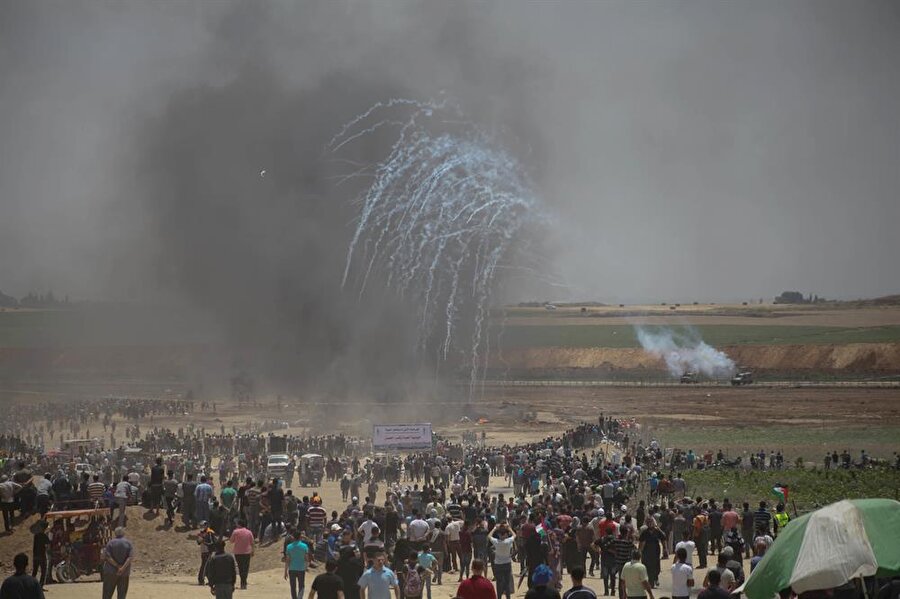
829,547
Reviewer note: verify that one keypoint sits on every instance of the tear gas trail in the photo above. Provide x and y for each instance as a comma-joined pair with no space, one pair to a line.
446,214
685,353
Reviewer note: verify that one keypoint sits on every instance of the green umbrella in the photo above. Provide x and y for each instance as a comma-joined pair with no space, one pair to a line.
828,547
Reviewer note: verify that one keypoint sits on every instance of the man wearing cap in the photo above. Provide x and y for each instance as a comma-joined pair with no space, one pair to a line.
332,541
206,538
540,584
118,555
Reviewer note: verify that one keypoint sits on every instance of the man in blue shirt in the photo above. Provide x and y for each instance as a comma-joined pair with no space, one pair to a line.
295,566
428,561
202,495
377,581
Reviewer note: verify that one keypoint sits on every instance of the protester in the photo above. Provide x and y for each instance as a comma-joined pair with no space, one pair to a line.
541,587
652,544
8,491
713,590
243,549
378,581
295,566
39,549
633,580
20,585
118,557
682,575
328,585
349,568
207,540
578,590
221,572
476,586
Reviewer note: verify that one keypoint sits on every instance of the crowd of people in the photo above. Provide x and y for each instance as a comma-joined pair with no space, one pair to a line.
595,500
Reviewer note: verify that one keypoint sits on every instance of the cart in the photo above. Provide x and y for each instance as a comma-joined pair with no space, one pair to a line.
312,466
85,533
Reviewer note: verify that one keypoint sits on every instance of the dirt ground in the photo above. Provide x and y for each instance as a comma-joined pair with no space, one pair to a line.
800,420
704,417
166,562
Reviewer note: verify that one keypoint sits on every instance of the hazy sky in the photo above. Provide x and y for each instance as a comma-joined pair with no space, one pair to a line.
687,150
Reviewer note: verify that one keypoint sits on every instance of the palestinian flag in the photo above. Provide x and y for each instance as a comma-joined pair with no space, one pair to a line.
829,547
781,492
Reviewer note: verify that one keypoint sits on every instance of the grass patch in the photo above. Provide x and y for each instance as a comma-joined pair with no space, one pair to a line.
101,325
809,488
737,440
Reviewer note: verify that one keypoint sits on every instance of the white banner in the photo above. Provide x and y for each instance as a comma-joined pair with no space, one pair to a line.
401,436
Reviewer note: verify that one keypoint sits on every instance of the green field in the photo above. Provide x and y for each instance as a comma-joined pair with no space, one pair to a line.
623,336
807,441
808,487
125,325
99,326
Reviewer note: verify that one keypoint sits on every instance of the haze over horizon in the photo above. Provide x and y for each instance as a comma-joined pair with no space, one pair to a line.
687,151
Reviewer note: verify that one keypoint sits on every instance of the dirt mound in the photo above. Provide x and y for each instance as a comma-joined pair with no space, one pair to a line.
853,357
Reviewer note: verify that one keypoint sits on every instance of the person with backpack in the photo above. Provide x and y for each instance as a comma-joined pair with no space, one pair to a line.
430,562
413,578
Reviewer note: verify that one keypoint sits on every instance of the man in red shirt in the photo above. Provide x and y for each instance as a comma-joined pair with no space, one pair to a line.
242,539
476,586
730,518
608,526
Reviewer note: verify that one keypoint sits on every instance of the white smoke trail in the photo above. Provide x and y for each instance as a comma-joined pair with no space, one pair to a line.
683,353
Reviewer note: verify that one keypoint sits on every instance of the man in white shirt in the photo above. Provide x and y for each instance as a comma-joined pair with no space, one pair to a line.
8,491
503,544
689,546
682,575
452,531
365,529
417,531
122,494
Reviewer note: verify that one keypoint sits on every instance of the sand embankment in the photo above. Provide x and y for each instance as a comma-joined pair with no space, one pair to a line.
851,357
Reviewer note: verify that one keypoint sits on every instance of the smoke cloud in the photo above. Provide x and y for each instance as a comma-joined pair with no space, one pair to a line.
133,136
685,353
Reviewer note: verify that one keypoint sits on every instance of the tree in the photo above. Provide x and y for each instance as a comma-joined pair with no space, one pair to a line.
8,301
791,297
